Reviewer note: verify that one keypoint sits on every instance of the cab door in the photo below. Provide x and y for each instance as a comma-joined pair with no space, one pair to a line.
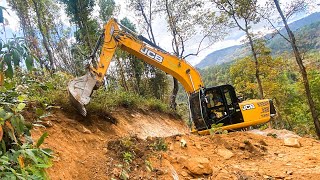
222,106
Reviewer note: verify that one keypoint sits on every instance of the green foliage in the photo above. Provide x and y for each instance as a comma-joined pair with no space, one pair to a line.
127,142
148,165
86,34
107,8
78,10
126,22
272,135
159,145
12,54
103,100
19,157
217,129
127,157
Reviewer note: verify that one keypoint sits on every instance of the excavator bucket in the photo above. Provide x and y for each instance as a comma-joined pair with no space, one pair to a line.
80,90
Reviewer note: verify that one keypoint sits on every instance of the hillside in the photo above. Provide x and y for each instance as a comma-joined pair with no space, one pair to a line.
126,145
306,29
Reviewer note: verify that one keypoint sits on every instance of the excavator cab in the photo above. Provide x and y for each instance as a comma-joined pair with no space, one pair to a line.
220,105
215,105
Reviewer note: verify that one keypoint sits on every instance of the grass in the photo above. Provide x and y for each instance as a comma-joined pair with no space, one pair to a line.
47,90
103,100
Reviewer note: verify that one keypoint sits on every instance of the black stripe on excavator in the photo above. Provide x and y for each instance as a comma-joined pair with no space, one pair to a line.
144,39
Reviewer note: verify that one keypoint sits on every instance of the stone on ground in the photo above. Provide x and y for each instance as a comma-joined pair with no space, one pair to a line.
199,165
292,142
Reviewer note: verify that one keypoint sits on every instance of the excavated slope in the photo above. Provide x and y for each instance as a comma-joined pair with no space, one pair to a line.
94,147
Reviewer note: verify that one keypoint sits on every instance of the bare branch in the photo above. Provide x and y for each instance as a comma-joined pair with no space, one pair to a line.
199,46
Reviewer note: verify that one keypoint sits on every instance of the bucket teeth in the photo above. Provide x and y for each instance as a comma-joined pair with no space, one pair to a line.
76,104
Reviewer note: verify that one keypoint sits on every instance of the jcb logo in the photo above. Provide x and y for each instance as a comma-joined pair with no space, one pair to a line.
151,54
248,106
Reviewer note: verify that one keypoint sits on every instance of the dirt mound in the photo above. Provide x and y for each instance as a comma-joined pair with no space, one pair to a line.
124,144
80,143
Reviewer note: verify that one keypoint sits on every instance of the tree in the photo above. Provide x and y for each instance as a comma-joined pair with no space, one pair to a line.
24,12
79,12
44,29
244,11
44,33
275,81
147,10
184,25
107,8
302,68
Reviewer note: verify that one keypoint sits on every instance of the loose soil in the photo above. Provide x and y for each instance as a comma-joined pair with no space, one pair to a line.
149,145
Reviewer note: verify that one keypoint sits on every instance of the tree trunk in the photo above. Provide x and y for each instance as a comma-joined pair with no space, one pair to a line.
173,97
257,73
43,34
123,78
302,70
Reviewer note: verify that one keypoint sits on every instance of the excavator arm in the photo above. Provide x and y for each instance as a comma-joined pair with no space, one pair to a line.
113,38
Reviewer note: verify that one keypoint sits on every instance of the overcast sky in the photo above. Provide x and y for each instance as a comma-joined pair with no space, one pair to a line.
161,34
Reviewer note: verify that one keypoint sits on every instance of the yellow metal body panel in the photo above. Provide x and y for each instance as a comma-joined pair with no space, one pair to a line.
108,49
254,112
187,75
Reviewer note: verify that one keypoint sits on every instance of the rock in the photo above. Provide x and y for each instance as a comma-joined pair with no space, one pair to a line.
267,177
280,176
289,172
149,138
178,138
225,176
227,146
85,130
198,146
262,142
183,143
281,155
292,142
182,159
225,153
159,171
47,123
184,174
199,165
116,171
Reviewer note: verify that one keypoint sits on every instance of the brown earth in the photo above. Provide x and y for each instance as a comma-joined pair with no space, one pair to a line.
128,144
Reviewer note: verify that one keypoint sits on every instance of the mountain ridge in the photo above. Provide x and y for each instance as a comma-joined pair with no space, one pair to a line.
277,43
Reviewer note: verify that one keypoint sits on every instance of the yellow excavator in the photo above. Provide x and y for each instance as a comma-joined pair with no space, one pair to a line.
207,106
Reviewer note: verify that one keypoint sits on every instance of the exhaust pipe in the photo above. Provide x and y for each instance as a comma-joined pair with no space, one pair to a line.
80,90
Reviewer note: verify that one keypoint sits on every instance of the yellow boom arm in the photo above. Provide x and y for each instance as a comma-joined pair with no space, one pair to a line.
188,76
